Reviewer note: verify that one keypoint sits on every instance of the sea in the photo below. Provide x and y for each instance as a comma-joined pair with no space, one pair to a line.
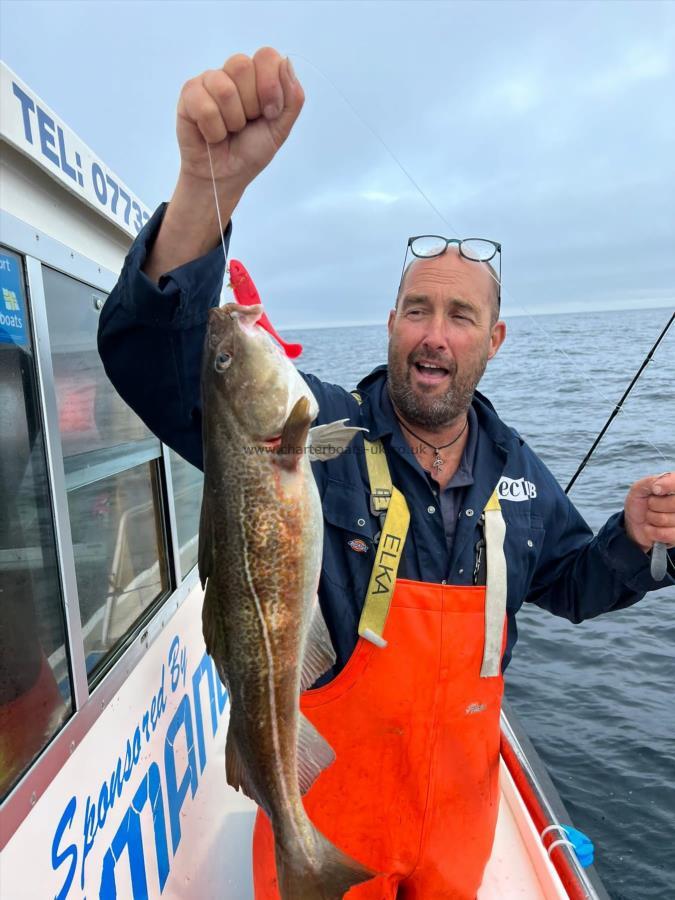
596,699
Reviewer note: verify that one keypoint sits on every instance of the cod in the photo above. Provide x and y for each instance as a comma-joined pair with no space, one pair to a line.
260,548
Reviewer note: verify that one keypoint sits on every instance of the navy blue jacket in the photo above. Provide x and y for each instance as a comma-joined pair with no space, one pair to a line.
150,340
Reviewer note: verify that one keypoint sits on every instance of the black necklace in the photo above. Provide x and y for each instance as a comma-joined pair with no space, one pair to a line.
438,462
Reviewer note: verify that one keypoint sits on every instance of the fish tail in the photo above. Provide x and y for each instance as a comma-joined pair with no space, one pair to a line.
326,874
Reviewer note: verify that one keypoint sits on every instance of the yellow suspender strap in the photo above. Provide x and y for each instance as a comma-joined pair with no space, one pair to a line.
383,577
495,588
384,498
379,477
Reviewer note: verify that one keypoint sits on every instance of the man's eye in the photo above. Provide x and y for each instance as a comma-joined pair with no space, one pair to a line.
414,313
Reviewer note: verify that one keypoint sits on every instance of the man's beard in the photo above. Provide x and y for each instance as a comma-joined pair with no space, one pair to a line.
432,411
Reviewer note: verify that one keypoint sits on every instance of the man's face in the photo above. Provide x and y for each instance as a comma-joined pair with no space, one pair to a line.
441,336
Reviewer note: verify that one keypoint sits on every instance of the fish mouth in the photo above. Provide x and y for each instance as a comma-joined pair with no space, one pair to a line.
247,317
232,322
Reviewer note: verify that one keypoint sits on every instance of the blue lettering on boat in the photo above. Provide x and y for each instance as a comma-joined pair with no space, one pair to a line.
154,784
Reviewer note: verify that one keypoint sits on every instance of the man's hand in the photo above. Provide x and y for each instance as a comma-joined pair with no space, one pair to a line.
245,111
650,511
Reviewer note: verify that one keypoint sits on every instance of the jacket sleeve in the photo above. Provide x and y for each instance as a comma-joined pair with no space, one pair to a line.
580,576
150,339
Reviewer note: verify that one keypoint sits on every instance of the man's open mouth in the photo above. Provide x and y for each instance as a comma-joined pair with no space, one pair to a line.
429,372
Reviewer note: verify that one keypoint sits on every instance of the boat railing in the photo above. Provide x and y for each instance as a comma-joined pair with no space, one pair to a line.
546,809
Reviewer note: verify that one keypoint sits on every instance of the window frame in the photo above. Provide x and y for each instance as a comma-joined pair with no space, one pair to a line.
38,249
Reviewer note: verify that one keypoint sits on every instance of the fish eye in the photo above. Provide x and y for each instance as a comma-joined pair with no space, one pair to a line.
223,360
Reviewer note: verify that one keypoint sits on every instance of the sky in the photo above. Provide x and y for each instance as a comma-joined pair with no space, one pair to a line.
546,126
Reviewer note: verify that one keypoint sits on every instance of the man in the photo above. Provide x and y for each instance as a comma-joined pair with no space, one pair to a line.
434,537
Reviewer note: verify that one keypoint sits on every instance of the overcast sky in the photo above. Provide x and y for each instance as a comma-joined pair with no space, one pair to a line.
546,126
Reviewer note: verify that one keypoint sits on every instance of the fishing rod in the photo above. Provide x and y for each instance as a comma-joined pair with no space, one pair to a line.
659,560
618,406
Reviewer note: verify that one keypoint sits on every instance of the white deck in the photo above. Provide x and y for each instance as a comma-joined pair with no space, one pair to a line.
519,866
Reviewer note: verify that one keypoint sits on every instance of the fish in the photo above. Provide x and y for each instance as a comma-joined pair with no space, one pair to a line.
260,552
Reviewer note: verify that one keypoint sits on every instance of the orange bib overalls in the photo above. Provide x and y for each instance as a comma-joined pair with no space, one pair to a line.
413,793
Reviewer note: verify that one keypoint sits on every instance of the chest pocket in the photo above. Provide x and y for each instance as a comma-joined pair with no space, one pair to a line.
524,539
348,535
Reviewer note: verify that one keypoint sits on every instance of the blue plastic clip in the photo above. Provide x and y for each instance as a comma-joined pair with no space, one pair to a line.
583,845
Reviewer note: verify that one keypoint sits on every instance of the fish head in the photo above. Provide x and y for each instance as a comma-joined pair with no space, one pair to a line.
246,376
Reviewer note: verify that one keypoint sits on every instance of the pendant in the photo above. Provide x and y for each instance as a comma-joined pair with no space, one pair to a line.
438,462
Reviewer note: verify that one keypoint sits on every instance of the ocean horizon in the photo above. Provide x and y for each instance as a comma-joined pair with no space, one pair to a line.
508,314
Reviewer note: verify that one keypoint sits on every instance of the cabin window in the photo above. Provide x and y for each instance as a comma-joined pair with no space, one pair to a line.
188,484
35,684
113,481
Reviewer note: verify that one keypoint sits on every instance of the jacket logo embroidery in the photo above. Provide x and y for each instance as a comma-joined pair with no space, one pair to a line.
358,545
516,489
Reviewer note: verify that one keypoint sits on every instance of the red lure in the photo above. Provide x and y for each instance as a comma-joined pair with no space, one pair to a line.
246,293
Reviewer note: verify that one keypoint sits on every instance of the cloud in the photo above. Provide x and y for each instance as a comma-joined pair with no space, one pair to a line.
639,64
518,95
543,126
379,197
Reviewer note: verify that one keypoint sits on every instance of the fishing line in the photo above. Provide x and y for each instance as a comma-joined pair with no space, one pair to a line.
427,199
456,232
215,197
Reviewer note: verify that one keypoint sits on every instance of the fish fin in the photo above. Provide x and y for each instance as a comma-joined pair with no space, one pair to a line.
237,774
205,541
222,674
328,877
294,435
329,441
319,654
212,614
314,754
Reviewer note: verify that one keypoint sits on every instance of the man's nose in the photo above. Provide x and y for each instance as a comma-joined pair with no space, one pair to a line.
436,336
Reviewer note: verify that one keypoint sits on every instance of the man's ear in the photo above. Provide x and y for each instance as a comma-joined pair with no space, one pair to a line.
390,321
497,337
